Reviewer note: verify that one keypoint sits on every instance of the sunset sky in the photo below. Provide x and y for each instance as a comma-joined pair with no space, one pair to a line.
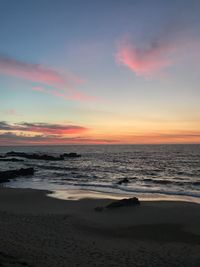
98,72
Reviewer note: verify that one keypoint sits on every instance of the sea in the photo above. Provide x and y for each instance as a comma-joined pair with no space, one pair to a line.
153,171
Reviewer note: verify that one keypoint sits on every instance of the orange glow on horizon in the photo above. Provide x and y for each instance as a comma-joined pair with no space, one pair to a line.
62,139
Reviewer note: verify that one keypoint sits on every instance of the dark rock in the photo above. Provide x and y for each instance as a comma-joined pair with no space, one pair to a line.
99,209
41,157
157,181
123,181
12,159
126,202
196,183
5,176
15,154
71,155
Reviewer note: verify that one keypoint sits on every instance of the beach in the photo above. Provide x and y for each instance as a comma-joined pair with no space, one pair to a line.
37,230
99,133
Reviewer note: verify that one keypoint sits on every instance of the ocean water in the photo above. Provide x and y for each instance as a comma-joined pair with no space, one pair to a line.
156,170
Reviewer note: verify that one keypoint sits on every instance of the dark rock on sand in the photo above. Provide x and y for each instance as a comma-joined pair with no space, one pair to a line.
5,176
125,202
123,181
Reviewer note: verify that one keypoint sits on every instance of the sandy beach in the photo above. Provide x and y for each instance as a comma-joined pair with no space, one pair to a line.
36,230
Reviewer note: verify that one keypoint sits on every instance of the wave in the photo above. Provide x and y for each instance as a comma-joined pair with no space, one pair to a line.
165,182
100,187
54,168
73,173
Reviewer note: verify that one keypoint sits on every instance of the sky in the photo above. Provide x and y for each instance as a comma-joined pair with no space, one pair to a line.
99,72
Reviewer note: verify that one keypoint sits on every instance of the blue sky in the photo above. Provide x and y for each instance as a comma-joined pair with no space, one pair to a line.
127,71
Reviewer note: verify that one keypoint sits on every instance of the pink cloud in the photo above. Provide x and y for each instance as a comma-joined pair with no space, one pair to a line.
29,71
44,128
157,56
72,95
83,97
22,139
145,61
64,84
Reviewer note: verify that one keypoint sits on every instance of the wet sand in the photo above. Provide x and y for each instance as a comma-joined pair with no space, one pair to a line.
36,230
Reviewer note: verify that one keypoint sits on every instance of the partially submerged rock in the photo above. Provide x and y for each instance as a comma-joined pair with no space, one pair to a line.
41,156
5,176
71,155
125,202
123,181
12,159
15,154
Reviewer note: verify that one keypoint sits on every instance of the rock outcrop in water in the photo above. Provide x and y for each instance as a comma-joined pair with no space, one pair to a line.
123,181
5,176
41,157
71,155
11,159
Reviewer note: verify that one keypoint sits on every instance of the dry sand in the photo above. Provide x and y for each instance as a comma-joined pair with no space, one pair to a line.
36,230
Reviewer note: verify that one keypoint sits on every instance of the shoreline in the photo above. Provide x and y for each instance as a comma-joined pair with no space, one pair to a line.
78,194
34,201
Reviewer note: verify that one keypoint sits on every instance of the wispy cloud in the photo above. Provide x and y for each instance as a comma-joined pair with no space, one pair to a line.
61,84
144,61
34,72
45,128
27,133
10,138
72,95
154,57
